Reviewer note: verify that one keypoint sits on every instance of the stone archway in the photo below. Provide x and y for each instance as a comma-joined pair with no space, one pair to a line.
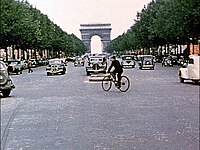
90,30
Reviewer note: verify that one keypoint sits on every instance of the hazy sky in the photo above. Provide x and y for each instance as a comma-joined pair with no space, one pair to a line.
69,14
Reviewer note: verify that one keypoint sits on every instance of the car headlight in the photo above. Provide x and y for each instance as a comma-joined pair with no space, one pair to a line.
3,71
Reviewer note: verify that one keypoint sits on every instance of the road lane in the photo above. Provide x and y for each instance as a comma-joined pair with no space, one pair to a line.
69,112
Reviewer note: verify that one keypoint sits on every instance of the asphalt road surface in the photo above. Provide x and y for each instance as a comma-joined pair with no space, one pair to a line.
67,112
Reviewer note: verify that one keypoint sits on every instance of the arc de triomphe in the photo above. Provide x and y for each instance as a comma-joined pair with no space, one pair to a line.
99,29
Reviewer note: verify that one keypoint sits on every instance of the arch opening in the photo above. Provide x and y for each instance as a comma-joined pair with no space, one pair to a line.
96,45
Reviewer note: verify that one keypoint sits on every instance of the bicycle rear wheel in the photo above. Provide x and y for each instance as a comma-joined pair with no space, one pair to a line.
125,84
106,83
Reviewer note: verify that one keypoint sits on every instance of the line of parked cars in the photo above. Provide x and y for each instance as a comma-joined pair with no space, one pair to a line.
17,66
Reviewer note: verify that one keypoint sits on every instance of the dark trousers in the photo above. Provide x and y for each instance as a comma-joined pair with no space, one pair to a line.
29,70
119,75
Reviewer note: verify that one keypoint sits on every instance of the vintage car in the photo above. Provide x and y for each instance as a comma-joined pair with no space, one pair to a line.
174,59
128,61
6,84
24,64
79,62
180,61
15,66
96,64
190,70
167,62
34,63
55,66
146,61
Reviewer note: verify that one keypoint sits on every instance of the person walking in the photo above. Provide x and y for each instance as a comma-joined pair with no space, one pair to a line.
29,66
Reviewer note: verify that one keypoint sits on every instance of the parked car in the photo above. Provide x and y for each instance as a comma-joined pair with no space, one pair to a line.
128,61
180,61
24,64
79,62
167,62
15,66
174,59
34,63
64,60
146,61
6,84
56,66
190,70
96,64
41,62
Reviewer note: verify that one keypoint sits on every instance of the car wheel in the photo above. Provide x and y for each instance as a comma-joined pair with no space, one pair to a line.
88,73
195,81
181,79
6,93
48,73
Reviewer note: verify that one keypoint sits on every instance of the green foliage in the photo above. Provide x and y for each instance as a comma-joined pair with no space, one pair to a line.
161,22
26,27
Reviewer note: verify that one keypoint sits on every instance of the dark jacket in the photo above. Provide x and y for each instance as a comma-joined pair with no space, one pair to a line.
116,64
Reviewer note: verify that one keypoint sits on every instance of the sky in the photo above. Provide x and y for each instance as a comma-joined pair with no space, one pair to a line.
69,14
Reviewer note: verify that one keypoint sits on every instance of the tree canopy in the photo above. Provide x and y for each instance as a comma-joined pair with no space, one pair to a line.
160,23
26,27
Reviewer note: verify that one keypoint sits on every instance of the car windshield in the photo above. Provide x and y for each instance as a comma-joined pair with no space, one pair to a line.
147,57
174,57
127,57
55,62
14,62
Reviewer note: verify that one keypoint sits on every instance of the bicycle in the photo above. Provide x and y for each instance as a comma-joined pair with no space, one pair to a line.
109,79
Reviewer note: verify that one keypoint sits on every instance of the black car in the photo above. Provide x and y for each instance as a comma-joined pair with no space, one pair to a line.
146,61
6,84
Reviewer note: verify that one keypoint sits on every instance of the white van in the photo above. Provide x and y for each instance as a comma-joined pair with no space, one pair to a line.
190,70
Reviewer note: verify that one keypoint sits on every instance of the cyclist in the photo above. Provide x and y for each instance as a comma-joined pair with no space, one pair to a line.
118,70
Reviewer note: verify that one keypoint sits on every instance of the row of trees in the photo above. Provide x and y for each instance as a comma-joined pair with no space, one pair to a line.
162,22
24,27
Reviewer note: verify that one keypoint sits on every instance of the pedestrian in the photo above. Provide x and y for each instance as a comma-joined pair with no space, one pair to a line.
118,70
29,66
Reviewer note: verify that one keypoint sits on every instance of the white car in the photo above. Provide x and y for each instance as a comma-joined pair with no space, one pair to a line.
96,64
15,66
56,66
190,70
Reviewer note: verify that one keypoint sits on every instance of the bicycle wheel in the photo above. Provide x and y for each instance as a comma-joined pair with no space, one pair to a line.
106,83
125,84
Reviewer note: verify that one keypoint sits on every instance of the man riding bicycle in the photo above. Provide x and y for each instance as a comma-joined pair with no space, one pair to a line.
118,70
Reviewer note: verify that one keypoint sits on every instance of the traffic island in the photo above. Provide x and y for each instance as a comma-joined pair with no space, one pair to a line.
96,77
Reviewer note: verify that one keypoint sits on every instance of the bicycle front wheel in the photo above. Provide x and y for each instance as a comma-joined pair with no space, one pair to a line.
125,84
106,83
